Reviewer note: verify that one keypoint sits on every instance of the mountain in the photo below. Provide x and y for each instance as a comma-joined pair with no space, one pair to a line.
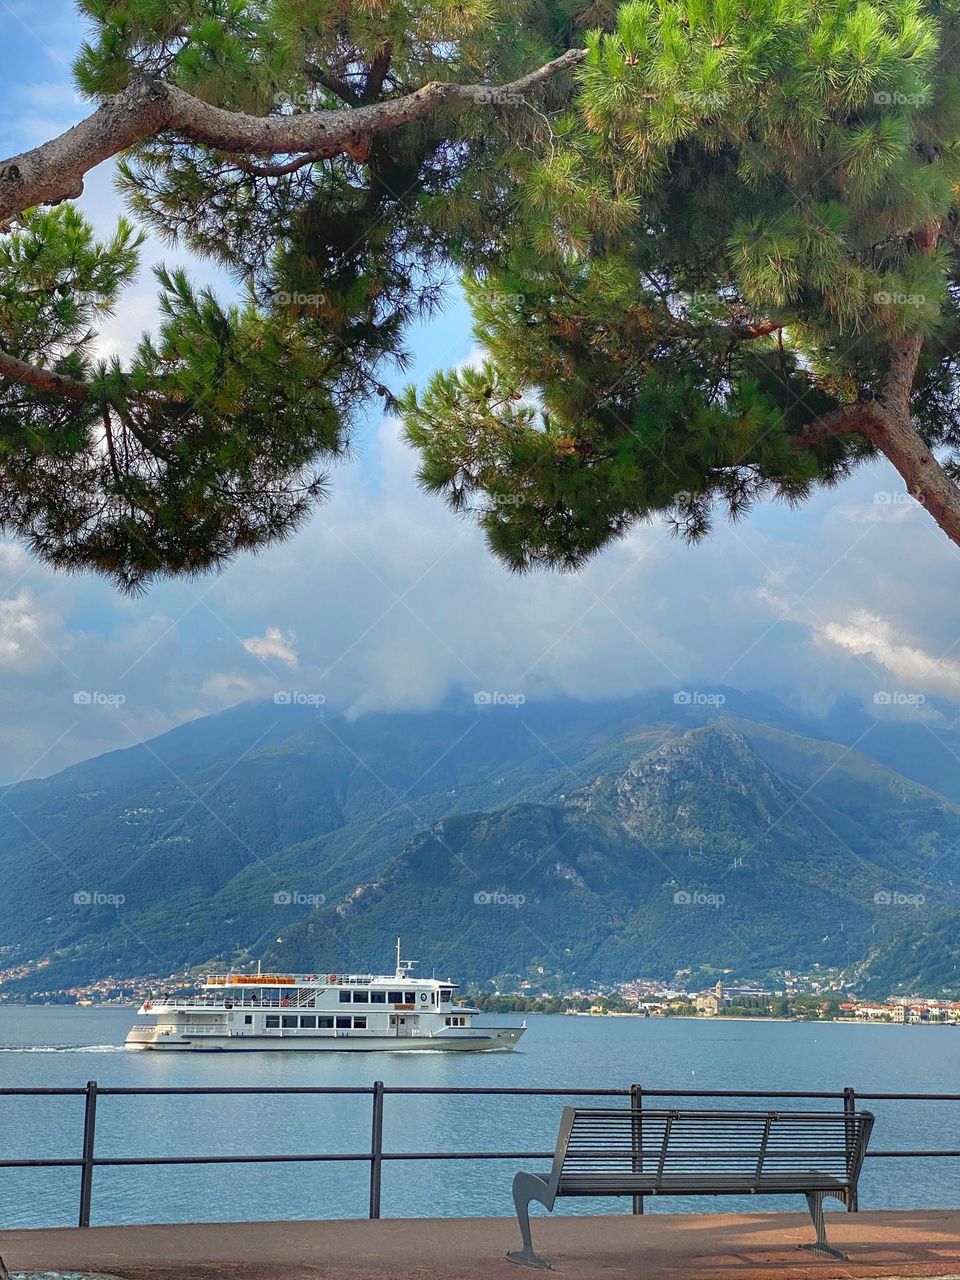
498,839
707,849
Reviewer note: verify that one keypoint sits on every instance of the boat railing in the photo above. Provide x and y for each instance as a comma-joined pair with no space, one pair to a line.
198,1029
230,1002
305,979
636,1097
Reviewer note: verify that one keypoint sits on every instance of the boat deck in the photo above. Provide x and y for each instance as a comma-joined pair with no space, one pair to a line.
756,1246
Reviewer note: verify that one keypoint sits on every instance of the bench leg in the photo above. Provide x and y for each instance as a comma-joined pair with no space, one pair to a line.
527,1187
815,1205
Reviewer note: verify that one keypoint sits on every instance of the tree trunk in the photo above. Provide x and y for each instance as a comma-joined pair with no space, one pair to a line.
898,440
891,429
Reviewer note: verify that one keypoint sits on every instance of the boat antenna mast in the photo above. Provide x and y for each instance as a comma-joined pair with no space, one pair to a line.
403,966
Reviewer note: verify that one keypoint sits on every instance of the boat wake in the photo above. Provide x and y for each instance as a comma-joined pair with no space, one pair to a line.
61,1048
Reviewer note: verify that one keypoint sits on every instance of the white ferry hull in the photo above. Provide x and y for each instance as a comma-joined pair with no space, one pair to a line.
478,1040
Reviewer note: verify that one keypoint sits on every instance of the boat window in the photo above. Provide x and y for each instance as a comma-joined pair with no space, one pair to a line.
360,1024
324,1022
446,995
343,1023
409,997
248,1019
395,997
273,1020
289,1019
309,1021
361,997
344,997
378,997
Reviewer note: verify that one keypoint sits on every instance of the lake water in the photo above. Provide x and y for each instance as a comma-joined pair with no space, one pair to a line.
48,1048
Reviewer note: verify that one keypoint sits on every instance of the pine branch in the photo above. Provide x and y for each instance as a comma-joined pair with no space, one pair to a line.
378,71
272,170
55,171
333,84
848,419
39,379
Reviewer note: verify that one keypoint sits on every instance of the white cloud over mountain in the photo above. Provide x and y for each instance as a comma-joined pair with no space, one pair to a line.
272,645
388,600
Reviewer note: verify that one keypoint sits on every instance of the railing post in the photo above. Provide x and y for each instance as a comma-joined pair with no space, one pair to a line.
849,1109
376,1149
89,1139
636,1138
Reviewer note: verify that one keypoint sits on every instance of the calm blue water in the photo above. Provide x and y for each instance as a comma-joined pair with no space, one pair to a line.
67,1047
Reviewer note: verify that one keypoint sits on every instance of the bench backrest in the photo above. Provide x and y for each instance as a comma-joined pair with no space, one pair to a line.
752,1144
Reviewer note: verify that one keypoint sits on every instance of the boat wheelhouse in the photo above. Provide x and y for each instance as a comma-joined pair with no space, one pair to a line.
238,1012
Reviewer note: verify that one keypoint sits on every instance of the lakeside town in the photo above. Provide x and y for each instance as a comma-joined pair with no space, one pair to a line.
814,996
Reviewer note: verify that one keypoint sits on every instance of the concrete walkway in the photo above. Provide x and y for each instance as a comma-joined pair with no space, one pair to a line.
755,1246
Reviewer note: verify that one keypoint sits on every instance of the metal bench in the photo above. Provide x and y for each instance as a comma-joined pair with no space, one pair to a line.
606,1152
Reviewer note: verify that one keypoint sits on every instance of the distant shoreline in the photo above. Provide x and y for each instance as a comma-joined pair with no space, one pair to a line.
722,1018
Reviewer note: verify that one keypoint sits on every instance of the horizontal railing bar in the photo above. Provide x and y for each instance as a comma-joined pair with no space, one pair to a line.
510,1091
466,1090
41,1164
123,1161
42,1093
908,1155
133,1091
833,1095
180,1090
366,1155
746,1093
118,1161
468,1155
908,1097
115,1161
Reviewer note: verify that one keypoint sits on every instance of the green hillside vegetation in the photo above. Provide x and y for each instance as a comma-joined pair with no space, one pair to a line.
595,815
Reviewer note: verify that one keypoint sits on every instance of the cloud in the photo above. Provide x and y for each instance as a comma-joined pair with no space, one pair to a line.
870,636
273,644
226,689
23,625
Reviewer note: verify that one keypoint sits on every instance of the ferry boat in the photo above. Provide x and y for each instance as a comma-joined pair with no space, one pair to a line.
238,1012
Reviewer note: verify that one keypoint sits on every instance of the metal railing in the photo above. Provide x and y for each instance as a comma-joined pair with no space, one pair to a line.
376,1157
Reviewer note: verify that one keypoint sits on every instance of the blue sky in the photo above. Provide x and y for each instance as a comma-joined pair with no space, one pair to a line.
388,600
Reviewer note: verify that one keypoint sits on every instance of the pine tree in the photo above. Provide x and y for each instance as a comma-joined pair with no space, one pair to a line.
710,248
734,275
310,149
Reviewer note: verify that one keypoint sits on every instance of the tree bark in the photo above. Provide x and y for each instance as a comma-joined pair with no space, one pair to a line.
926,480
894,434
847,420
888,424
29,375
55,171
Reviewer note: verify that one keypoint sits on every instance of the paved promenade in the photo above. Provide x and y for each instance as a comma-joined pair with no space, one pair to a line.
756,1246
